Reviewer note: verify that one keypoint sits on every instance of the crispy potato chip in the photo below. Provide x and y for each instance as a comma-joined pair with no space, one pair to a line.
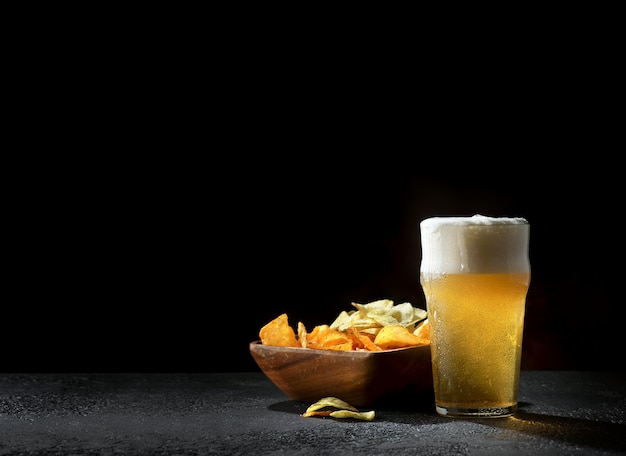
278,332
375,306
317,413
342,321
379,311
365,416
322,337
344,410
407,315
302,334
363,341
371,331
331,401
369,343
357,343
423,330
397,336
357,318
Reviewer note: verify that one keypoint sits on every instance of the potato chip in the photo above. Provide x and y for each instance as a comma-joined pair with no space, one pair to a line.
343,410
365,416
302,339
325,338
379,311
407,315
357,343
342,322
423,330
362,340
397,336
356,318
278,332
331,401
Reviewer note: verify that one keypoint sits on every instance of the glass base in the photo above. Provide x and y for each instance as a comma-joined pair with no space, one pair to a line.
464,412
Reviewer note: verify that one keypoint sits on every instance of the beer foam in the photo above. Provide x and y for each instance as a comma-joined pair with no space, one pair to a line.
477,244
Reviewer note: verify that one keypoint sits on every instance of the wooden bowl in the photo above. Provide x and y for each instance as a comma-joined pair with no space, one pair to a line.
358,377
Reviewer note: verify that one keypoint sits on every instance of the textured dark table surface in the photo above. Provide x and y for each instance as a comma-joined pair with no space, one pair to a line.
244,413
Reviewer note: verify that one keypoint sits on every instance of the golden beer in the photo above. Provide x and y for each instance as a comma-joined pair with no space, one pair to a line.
475,276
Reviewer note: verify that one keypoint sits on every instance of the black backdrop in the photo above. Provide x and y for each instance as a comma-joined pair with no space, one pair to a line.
167,203
174,186
175,265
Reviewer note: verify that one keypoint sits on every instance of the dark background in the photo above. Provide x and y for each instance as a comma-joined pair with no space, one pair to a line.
179,274
172,192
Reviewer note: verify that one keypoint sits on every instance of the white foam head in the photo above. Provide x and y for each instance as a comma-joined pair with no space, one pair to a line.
477,244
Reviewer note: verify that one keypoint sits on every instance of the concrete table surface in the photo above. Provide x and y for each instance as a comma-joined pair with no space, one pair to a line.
560,412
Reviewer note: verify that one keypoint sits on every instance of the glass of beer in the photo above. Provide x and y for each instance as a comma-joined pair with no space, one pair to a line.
475,275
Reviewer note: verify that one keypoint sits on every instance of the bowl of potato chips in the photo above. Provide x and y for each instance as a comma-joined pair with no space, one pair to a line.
367,354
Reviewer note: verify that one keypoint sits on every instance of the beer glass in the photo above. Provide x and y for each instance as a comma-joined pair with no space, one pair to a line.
475,275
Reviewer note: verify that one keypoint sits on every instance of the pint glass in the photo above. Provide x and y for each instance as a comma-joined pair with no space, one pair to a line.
475,275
